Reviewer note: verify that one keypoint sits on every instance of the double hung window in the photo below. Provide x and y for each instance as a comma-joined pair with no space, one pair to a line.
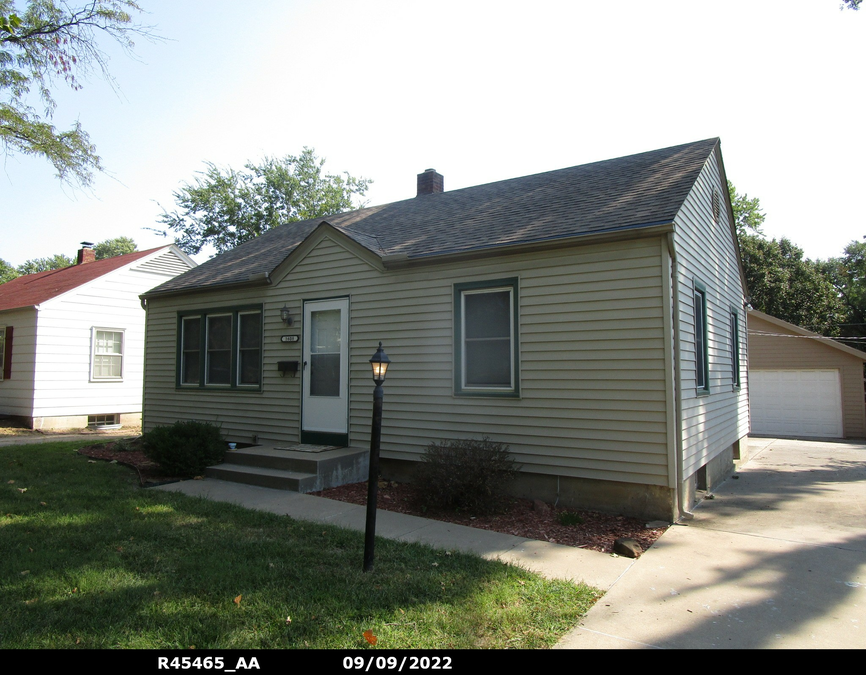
735,347
485,338
702,360
5,352
220,348
106,359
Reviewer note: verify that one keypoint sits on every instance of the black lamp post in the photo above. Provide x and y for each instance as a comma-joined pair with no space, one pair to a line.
380,362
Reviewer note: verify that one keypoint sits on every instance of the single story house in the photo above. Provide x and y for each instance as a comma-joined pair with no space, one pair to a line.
72,339
802,383
592,318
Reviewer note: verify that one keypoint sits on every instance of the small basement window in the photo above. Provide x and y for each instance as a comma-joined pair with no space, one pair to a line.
103,421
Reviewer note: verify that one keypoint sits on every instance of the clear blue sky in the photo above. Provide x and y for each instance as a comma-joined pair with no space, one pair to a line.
480,91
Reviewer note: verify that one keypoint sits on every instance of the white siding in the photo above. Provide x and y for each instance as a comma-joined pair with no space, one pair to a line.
706,253
592,358
62,374
16,393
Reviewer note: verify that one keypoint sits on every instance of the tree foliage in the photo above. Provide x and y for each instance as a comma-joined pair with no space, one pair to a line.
785,284
7,272
47,43
748,216
104,249
113,247
848,275
225,208
36,265
781,281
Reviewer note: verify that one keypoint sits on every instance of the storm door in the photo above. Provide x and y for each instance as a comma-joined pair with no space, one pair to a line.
325,405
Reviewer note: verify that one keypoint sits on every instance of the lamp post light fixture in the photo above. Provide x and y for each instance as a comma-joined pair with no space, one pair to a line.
380,363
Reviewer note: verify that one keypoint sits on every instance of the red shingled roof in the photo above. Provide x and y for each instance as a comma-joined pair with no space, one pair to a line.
33,289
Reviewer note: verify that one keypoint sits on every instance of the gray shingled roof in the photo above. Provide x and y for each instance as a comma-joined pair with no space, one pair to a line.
630,192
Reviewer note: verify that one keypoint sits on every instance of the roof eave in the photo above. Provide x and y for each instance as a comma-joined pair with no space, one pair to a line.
255,280
400,261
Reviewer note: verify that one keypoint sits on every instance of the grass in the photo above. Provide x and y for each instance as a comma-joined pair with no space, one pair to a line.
90,560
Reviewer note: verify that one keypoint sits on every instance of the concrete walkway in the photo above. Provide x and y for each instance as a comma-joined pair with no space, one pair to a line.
776,560
551,560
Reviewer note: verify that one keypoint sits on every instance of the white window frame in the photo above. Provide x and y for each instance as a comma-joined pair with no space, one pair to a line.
94,331
461,291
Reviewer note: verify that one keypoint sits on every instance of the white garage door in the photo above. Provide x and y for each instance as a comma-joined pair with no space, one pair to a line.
796,403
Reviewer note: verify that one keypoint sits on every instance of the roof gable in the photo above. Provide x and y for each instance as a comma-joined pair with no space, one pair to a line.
624,195
33,289
792,330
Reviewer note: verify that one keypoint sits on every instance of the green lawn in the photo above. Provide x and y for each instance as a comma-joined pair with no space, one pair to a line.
91,560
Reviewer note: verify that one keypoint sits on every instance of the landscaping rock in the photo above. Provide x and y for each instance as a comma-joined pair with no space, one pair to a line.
627,547
540,506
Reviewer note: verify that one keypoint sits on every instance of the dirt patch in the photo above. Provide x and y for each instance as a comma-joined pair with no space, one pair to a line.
520,517
129,453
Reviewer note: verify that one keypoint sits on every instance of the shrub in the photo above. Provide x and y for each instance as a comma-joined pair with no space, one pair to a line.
185,448
466,475
569,518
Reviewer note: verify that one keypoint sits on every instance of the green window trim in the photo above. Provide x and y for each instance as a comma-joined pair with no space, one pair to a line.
735,348
486,338
220,348
702,351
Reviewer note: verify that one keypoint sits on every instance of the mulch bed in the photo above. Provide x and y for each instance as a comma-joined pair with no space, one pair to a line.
519,517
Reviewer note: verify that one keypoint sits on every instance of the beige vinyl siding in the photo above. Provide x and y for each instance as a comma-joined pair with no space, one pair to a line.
706,253
591,354
16,393
769,353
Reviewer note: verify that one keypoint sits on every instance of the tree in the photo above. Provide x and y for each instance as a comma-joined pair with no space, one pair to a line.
783,283
226,208
112,247
50,42
748,216
848,275
37,265
7,272
104,249
780,280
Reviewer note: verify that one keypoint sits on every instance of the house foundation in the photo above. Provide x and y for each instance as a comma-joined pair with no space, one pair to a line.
651,502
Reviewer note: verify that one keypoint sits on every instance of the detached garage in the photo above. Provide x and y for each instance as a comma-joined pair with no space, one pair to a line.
801,384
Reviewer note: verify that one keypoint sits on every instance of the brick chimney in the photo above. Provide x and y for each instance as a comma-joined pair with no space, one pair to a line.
86,253
430,183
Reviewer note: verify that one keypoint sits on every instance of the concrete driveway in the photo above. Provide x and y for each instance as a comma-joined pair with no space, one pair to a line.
776,560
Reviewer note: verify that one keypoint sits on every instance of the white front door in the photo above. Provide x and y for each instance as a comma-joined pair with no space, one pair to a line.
325,405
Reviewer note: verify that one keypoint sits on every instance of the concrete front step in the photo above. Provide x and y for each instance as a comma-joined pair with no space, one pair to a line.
295,470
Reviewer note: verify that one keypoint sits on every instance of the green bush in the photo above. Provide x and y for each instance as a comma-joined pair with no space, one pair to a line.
467,475
569,518
184,449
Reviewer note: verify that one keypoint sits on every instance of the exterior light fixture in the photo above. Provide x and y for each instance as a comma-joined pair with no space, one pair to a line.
285,315
380,363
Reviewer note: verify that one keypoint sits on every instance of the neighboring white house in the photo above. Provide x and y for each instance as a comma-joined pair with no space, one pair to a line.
592,318
72,340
